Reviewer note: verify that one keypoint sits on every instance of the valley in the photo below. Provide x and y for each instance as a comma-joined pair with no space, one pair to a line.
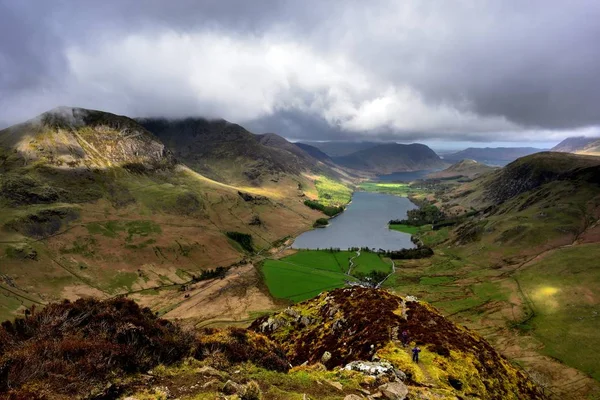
208,245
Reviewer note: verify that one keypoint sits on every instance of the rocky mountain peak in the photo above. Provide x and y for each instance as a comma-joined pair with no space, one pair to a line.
75,137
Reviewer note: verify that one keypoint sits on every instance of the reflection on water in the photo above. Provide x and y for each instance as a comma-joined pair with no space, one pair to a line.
363,224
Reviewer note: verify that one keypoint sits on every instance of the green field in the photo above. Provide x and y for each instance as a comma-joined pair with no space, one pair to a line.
563,291
307,273
397,189
332,193
368,262
405,228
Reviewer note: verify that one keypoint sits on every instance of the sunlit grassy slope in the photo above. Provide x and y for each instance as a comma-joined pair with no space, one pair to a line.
523,272
398,189
115,231
331,192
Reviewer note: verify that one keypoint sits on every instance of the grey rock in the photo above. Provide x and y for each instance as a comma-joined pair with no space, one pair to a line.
394,391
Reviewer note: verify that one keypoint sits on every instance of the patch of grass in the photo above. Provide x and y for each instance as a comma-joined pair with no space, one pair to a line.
109,229
405,228
331,192
433,238
563,289
140,245
397,189
368,262
435,280
184,275
305,274
121,282
141,228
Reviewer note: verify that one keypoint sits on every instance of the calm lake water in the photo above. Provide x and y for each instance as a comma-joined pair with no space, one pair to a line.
363,224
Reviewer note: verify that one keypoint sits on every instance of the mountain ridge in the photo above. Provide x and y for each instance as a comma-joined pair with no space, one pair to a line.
579,145
390,158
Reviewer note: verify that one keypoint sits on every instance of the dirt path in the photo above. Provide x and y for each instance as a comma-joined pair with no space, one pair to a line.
351,262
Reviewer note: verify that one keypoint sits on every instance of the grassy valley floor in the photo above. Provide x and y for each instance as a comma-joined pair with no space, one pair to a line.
306,273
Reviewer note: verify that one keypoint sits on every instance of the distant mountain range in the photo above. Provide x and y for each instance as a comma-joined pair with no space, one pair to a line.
499,156
579,145
391,157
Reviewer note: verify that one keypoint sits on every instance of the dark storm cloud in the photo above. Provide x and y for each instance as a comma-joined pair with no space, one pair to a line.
379,70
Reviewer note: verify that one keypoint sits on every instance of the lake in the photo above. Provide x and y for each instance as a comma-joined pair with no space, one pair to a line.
363,224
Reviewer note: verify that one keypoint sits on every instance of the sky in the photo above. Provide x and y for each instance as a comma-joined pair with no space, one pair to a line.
434,71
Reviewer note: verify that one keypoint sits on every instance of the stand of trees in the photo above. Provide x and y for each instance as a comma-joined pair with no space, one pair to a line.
410,254
218,272
428,214
243,239
327,210
321,222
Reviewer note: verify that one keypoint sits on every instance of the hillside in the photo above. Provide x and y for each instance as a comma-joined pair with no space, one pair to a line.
491,155
228,153
93,204
462,169
390,158
315,152
519,266
75,137
349,338
579,145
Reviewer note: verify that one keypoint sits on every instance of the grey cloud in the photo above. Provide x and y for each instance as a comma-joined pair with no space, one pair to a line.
531,64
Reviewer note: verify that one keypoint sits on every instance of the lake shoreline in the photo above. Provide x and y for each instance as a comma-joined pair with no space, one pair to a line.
364,223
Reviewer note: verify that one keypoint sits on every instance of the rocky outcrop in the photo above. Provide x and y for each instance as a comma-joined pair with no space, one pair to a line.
360,328
75,137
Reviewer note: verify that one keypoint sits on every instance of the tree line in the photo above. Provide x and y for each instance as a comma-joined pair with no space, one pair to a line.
330,211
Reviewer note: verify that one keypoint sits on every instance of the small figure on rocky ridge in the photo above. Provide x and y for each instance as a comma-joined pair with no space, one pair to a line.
416,350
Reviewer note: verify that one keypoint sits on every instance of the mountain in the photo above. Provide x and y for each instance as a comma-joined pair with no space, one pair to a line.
491,155
340,148
527,236
534,171
315,152
579,145
75,137
462,169
230,154
389,158
94,204
341,345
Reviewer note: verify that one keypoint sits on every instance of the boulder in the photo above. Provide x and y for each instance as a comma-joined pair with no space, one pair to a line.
394,391
376,369
230,387
352,397
325,357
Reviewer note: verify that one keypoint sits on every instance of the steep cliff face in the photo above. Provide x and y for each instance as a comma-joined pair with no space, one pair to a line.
359,324
75,137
